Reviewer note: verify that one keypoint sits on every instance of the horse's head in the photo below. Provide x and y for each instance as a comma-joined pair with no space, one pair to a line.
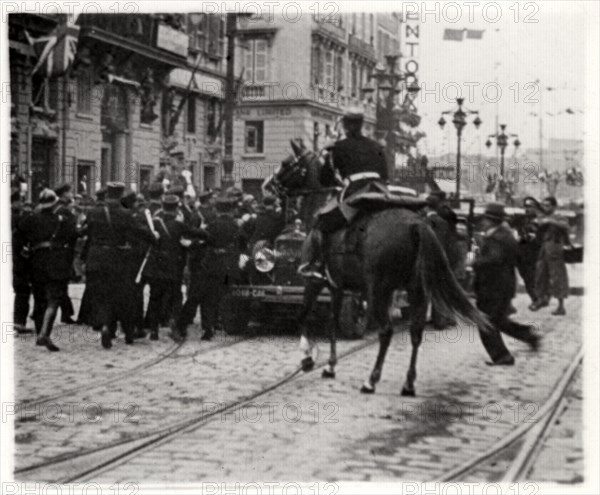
294,171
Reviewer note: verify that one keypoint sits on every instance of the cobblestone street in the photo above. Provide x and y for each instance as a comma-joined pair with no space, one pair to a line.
306,429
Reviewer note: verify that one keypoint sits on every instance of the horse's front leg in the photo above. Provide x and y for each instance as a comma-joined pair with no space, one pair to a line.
336,308
307,346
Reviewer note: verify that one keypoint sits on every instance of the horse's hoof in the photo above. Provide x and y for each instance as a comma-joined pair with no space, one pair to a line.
307,364
407,392
367,389
328,374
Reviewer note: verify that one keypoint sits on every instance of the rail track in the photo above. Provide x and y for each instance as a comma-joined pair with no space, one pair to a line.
522,445
133,446
130,373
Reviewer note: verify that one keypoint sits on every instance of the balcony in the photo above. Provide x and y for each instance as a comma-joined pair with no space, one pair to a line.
361,47
329,29
143,34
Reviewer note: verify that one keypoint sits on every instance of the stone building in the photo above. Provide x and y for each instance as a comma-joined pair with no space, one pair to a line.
112,115
300,75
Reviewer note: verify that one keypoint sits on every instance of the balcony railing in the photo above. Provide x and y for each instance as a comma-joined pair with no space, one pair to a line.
361,47
329,28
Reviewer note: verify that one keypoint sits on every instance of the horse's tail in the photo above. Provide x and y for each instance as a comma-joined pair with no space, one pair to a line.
438,282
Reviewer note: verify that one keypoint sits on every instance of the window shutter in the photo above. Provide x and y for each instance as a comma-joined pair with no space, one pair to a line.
248,62
260,71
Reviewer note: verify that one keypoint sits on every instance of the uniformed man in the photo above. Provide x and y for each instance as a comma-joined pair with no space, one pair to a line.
50,236
64,206
112,231
155,194
207,206
269,222
87,310
361,162
214,273
164,265
495,285
21,267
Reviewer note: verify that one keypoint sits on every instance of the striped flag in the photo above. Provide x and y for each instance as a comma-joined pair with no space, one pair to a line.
56,52
474,34
454,34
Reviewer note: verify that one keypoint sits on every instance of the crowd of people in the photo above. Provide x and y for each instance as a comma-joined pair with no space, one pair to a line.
120,242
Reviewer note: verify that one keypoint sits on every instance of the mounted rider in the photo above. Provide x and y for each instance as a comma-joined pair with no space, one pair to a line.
360,161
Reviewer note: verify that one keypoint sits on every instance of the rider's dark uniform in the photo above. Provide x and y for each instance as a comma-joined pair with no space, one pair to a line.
360,161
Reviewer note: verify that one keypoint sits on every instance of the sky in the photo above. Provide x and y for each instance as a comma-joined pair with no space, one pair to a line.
516,54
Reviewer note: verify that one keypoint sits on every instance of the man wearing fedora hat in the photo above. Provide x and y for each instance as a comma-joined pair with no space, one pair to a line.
50,236
495,285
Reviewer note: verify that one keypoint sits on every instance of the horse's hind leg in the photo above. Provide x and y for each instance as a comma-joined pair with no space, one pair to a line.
377,316
418,304
336,307
311,293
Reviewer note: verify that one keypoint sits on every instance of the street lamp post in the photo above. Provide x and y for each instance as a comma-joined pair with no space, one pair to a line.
502,143
459,119
388,82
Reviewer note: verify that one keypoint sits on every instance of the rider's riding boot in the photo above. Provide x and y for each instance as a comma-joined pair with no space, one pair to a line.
312,257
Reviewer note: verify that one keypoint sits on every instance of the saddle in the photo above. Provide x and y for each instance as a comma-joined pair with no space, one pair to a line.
372,198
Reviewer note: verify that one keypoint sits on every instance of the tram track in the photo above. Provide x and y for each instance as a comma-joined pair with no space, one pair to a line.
119,377
525,440
136,445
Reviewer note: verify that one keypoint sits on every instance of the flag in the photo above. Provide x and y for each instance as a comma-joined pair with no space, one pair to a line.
454,34
56,52
474,34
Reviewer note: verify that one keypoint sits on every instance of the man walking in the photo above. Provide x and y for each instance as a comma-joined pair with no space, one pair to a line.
495,285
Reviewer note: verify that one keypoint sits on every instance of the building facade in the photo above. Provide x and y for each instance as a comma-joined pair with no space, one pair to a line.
298,79
128,105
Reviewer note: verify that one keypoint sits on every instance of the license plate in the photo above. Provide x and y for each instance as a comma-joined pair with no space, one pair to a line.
248,292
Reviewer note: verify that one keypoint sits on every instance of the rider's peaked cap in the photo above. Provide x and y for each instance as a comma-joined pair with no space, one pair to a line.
354,113
114,190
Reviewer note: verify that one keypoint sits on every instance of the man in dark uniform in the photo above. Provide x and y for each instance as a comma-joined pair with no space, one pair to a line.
112,230
268,224
360,162
164,264
51,236
21,264
155,193
495,285
207,206
215,272
87,309
64,206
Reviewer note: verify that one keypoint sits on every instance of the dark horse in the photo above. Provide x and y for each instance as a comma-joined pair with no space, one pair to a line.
390,249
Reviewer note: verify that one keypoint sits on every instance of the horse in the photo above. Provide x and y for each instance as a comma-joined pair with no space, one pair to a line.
395,250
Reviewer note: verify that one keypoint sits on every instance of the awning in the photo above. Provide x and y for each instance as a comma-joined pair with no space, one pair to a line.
204,84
